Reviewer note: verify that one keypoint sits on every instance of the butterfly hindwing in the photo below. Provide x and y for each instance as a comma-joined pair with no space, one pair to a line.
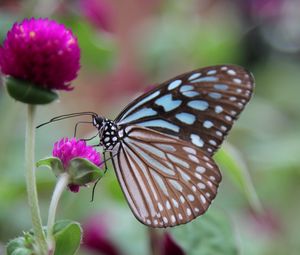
198,106
167,181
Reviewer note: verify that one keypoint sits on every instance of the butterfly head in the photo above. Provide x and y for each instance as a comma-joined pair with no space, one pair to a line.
98,122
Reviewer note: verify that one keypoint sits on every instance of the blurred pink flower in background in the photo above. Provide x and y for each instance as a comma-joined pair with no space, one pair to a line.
126,77
98,12
41,51
264,9
95,236
9,5
169,246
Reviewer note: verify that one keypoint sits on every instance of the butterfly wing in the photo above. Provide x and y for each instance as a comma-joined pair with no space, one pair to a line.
167,181
198,106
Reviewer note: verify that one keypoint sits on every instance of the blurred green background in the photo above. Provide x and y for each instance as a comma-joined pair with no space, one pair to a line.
129,45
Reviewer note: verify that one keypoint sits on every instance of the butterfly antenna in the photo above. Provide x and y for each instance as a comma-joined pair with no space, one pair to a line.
67,116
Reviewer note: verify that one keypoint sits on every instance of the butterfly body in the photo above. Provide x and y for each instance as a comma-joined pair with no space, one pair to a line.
109,132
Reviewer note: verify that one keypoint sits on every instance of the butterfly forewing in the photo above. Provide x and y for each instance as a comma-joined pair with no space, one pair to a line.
198,106
167,181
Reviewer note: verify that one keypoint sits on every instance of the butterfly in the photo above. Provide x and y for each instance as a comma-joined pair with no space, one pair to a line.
162,143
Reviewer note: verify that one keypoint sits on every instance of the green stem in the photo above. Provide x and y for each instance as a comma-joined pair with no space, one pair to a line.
31,182
61,185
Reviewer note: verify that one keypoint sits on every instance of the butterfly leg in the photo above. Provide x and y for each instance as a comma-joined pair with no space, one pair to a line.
105,170
95,184
77,124
105,162
91,138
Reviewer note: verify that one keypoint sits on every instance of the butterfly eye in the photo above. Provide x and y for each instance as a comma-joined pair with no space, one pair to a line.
98,121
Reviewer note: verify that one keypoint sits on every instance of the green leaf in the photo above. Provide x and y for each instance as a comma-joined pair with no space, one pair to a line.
231,161
29,93
19,246
53,163
67,236
210,234
82,171
21,251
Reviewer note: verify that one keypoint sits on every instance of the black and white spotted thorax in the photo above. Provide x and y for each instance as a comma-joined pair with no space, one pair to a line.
109,132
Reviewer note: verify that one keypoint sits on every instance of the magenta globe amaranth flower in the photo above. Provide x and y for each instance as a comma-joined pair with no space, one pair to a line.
67,149
79,160
42,53
76,160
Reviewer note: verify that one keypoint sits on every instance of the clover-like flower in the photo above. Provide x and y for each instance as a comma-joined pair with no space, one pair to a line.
67,149
74,157
41,52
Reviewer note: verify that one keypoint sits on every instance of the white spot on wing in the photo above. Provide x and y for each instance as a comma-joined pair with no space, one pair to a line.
221,86
208,124
186,118
185,88
174,84
160,123
165,147
168,103
197,140
218,109
176,185
182,200
203,199
160,207
213,142
173,219
228,118
238,81
211,72
188,212
143,101
194,158
200,169
231,72
160,182
205,79
184,175
178,161
194,76
201,185
168,205
175,203
198,105
139,114
191,197
190,150
215,95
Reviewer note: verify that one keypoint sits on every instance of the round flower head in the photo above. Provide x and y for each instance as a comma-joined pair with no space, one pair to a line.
68,149
42,52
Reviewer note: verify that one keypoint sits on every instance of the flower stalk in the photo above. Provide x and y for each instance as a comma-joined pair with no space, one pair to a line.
61,185
31,181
